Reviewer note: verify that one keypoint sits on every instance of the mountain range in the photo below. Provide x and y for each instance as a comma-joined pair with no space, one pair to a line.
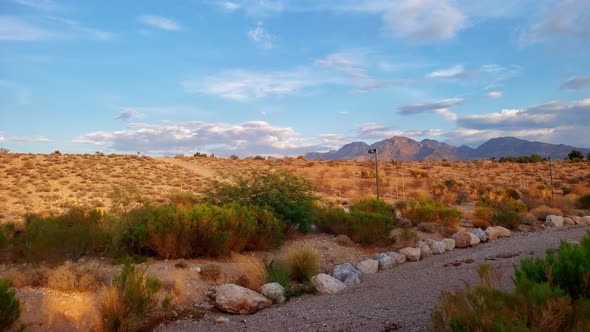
407,149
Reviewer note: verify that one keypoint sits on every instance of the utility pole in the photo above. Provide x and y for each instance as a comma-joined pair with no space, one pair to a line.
374,151
551,175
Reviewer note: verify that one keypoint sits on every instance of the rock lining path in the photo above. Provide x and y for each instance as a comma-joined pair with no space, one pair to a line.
400,299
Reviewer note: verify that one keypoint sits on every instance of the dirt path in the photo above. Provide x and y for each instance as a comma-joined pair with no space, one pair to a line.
400,299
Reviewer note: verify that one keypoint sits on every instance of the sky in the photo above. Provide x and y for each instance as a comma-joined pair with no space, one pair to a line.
285,77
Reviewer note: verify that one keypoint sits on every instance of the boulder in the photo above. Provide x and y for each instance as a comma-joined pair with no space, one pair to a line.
462,239
465,223
326,284
578,220
424,249
494,232
385,261
347,274
586,220
480,234
437,247
568,221
449,244
474,239
274,291
411,254
239,300
399,258
368,266
554,221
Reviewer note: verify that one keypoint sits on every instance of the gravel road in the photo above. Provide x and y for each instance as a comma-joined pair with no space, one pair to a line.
400,299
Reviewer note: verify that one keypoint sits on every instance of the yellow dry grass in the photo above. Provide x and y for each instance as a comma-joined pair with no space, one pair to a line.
252,271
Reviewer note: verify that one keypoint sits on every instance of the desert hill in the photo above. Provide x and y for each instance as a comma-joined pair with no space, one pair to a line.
407,149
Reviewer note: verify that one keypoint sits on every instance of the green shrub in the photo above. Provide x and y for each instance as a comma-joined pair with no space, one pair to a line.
568,268
373,206
362,227
584,202
289,197
303,263
68,236
171,231
552,294
9,305
428,210
508,219
408,234
369,228
278,271
131,295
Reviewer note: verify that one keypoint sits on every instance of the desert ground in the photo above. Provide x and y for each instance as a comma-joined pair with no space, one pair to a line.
51,184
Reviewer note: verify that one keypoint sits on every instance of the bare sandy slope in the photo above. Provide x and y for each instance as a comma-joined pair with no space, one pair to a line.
401,299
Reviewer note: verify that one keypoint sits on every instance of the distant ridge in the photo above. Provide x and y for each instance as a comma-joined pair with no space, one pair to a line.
407,149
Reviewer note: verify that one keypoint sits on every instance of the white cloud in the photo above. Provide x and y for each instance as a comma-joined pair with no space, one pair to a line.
559,21
248,138
160,22
243,85
12,28
456,71
494,94
128,114
440,107
260,36
566,122
424,20
37,4
577,83
23,139
373,130
230,6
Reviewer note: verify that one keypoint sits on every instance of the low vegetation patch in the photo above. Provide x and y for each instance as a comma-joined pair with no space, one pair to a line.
502,208
552,294
421,210
303,263
253,274
132,295
290,198
9,305
369,221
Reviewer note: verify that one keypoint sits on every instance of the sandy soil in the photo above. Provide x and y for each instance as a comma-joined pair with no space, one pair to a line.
400,299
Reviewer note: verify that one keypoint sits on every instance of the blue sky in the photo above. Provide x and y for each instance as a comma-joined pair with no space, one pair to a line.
284,77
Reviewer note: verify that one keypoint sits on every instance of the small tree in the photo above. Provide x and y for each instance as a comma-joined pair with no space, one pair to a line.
575,155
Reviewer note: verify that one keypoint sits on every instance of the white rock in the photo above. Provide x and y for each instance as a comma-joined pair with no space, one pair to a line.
494,232
437,247
568,221
449,244
578,220
474,239
274,291
586,220
480,233
347,274
554,221
411,254
399,258
221,320
424,249
385,261
239,300
368,266
326,284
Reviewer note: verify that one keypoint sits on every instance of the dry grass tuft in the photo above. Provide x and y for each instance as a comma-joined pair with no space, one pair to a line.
211,272
74,277
253,272
303,263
